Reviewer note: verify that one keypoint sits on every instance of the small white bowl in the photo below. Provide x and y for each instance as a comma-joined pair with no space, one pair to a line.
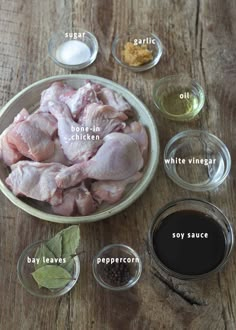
29,98
60,37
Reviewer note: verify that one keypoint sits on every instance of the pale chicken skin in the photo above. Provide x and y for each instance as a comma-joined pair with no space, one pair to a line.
138,132
117,159
80,99
58,156
44,121
76,100
111,191
8,151
77,200
31,141
36,180
94,116
109,97
104,117
54,92
28,136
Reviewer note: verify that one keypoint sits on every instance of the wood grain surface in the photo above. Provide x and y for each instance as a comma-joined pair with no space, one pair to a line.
200,39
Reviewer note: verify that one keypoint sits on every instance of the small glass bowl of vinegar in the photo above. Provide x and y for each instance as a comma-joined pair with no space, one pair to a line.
178,97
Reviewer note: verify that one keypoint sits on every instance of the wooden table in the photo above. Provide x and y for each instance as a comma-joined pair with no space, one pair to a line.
199,38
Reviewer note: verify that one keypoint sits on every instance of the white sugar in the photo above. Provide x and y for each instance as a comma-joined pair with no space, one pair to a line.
73,52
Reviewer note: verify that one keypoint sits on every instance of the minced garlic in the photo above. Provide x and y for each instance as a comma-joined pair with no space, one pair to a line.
136,55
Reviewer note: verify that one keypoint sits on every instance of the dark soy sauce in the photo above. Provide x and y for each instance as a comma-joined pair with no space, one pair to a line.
189,256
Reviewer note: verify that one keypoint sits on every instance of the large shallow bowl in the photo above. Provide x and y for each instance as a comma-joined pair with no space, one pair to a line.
29,98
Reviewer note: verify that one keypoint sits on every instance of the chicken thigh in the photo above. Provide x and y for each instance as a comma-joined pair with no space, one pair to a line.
31,141
117,159
8,152
35,180
44,121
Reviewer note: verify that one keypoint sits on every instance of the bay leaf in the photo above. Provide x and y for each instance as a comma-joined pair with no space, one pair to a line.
69,264
55,245
70,240
42,251
52,277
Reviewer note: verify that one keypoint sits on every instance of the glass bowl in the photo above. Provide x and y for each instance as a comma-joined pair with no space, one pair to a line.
24,270
79,34
153,44
117,267
178,97
199,206
197,160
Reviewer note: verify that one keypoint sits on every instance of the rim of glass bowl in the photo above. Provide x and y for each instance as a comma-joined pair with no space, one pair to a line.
143,67
74,66
197,187
123,287
59,293
157,221
170,78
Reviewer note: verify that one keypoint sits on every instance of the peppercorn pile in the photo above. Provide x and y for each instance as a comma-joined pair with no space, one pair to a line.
117,274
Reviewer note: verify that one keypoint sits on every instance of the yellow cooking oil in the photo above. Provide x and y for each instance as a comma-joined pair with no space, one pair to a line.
178,103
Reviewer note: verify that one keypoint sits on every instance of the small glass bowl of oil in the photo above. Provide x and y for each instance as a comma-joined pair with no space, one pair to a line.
178,97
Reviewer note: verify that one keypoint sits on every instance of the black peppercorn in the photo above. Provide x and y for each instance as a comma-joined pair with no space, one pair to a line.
117,274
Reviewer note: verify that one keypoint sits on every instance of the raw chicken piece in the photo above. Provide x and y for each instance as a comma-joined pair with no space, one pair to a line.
22,115
76,150
96,86
54,93
76,200
85,202
45,121
109,97
117,159
102,117
78,101
138,132
31,141
111,191
8,152
67,206
58,156
36,180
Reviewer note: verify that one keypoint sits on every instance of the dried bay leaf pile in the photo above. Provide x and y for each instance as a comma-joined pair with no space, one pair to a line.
59,252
